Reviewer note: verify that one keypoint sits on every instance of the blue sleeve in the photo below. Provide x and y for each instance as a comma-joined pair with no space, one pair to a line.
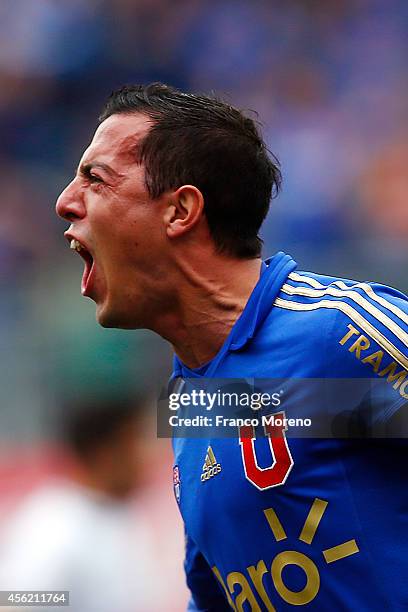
206,593
369,339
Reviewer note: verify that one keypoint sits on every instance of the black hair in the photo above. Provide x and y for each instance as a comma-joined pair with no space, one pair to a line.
92,424
203,141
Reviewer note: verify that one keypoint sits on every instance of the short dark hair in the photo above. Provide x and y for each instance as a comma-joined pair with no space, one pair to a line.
94,424
203,141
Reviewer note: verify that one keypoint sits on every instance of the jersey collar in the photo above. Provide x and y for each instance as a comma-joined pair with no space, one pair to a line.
274,272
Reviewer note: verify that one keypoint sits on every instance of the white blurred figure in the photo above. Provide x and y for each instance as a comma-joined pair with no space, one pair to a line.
87,533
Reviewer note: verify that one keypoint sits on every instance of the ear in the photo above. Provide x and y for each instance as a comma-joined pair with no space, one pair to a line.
184,210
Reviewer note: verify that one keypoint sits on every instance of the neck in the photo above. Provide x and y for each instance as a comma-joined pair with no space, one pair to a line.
211,295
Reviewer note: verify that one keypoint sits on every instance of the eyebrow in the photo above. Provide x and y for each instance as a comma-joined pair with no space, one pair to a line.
86,168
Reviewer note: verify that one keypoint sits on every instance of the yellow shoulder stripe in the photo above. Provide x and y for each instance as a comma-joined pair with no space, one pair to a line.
401,334
354,316
364,286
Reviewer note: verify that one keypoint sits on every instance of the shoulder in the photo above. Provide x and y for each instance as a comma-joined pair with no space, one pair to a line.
381,311
361,327
364,317
309,291
50,513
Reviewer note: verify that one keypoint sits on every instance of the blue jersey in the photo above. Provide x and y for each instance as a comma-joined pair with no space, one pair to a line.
319,523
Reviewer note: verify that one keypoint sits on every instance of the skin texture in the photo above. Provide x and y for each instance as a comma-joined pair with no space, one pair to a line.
155,263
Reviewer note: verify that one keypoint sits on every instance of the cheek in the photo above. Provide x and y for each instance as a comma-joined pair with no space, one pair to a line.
126,237
140,238
120,259
111,235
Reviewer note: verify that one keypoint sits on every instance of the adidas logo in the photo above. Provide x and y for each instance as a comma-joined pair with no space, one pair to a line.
211,467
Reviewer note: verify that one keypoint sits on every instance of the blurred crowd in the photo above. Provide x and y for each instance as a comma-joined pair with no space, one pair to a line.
328,80
100,523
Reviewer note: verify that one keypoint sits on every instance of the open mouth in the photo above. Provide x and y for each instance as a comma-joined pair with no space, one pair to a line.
75,245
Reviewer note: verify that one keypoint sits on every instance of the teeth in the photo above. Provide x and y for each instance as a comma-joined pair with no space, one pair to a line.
75,245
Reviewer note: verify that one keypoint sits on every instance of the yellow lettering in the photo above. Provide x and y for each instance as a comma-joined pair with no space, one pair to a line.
392,375
374,359
256,574
245,595
403,391
221,581
309,592
353,331
361,344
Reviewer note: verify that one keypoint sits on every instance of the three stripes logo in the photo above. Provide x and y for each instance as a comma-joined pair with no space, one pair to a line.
211,467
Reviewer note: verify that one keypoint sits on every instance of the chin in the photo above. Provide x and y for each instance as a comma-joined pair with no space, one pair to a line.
106,317
109,318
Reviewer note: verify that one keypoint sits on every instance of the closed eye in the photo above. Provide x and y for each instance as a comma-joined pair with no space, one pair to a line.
94,178
87,173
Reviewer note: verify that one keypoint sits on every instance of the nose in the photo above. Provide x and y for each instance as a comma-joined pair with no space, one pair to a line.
70,205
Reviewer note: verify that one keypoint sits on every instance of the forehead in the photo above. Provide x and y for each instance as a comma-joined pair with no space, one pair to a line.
116,138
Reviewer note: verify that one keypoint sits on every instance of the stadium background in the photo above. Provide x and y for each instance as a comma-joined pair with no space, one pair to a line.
329,81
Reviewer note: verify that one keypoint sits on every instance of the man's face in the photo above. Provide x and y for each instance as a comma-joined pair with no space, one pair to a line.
116,223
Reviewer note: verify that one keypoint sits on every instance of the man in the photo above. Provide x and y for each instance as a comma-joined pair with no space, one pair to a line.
84,531
165,209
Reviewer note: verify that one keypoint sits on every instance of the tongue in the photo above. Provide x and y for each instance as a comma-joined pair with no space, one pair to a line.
88,269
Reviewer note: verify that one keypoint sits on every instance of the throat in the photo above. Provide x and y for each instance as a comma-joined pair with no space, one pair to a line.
208,301
205,335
